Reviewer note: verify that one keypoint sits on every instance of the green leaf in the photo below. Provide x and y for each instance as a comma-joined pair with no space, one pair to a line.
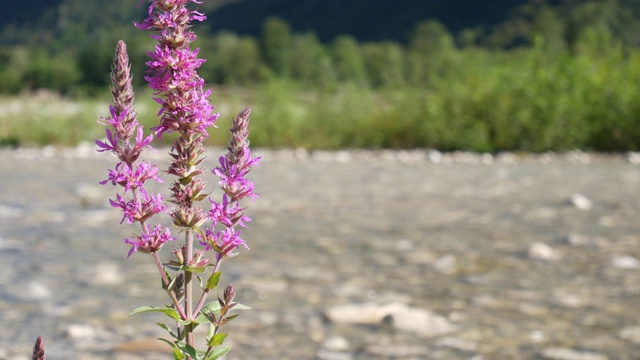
211,332
172,313
213,280
239,306
212,306
228,319
172,283
168,329
189,350
217,339
200,232
218,353
177,354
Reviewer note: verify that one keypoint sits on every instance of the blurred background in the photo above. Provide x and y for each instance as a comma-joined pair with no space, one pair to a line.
482,256
500,75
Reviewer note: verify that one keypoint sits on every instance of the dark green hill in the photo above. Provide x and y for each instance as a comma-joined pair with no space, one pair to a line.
367,20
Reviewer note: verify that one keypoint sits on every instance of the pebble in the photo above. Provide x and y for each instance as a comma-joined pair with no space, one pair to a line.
332,355
80,331
400,236
570,354
542,251
420,321
336,343
625,262
631,333
32,291
580,202
398,315
574,239
364,314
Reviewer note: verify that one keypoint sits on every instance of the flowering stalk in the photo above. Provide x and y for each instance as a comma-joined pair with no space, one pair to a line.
38,350
185,110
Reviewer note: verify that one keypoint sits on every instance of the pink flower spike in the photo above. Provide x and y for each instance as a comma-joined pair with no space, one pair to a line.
225,243
111,146
150,241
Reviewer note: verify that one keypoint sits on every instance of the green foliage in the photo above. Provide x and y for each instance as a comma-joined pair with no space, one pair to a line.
276,44
548,78
348,60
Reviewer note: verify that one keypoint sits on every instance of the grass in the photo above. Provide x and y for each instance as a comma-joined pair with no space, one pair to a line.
522,101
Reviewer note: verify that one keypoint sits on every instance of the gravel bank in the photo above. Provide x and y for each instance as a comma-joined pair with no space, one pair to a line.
354,255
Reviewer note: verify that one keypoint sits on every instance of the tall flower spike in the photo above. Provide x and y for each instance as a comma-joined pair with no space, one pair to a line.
125,138
38,350
122,92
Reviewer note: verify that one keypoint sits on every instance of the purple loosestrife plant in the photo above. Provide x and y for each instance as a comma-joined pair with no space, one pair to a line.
186,111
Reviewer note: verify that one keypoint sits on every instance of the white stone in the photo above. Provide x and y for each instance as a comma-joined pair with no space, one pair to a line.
542,251
570,354
400,316
421,322
633,157
631,333
336,343
580,202
625,262
80,331
434,156
107,273
447,264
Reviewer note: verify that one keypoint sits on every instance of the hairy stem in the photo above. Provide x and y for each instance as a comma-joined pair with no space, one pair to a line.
165,280
205,293
188,286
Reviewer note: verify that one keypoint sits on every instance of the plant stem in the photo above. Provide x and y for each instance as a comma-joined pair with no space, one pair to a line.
188,286
174,299
205,293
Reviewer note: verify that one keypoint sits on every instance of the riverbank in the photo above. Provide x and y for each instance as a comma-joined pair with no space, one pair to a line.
488,257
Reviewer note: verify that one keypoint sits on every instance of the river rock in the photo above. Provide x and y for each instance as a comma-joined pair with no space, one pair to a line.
570,354
398,315
631,333
580,202
625,262
542,251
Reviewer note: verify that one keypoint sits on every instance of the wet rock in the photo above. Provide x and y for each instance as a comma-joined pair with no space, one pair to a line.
570,354
580,202
542,251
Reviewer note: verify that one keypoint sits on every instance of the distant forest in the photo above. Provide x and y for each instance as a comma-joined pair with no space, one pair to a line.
448,74
66,45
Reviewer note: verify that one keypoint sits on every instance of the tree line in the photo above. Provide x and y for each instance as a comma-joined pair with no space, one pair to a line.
429,54
551,77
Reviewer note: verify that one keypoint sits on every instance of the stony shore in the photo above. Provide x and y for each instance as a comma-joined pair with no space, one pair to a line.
354,255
